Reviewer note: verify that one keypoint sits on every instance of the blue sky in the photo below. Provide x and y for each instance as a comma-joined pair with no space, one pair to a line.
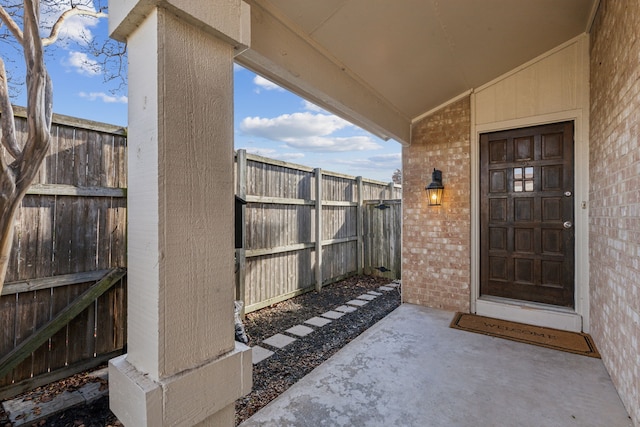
269,121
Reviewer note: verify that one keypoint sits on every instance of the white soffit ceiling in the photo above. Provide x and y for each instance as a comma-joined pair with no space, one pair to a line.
418,54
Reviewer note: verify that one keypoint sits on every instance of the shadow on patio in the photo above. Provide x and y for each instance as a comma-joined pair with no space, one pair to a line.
411,369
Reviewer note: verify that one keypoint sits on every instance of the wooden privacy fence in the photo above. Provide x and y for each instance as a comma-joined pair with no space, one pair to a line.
382,238
287,207
68,244
63,306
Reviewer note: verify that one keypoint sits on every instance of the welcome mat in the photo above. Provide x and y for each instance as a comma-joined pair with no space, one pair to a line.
572,342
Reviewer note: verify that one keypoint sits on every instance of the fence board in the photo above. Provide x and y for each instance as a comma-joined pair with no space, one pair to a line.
24,328
42,315
58,342
110,315
85,299
281,219
7,325
45,206
117,232
82,326
382,238
13,269
69,227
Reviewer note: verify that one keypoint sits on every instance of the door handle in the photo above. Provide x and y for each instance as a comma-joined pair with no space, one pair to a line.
567,224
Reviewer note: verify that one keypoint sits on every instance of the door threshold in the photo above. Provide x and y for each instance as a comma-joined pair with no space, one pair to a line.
549,316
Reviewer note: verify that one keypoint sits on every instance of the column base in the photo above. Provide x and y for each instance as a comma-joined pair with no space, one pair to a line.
186,399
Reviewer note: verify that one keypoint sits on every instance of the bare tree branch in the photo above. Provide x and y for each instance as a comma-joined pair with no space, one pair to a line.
39,100
55,30
11,24
17,176
9,140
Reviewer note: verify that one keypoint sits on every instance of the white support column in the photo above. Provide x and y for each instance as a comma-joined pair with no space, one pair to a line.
183,366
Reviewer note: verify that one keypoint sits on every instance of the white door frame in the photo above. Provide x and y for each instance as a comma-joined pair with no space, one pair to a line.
572,319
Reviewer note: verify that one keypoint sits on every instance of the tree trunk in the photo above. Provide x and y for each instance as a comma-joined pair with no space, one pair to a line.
15,178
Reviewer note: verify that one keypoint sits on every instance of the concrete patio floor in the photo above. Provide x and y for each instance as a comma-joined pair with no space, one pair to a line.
411,369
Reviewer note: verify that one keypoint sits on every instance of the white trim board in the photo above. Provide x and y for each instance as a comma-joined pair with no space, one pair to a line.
531,314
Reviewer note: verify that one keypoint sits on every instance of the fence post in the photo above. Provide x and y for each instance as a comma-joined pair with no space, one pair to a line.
241,264
392,187
359,226
318,174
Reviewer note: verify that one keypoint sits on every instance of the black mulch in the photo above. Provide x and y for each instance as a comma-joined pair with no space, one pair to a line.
274,375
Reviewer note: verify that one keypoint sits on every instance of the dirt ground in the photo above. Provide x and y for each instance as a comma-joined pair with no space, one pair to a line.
274,375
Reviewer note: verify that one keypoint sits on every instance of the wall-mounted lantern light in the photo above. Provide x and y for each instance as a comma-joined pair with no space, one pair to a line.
435,189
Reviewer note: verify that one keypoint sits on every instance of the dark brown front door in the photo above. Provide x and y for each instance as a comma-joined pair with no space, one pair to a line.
526,214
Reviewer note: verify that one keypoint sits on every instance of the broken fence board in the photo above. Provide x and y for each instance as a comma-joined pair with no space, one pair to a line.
24,349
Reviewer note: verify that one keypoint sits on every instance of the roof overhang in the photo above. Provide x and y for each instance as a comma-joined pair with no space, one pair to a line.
383,64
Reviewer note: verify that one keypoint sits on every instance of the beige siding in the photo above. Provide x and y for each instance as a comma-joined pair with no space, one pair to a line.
551,83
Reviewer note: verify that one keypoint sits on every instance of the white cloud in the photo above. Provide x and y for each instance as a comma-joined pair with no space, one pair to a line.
109,99
82,64
265,84
390,161
386,158
292,126
334,144
307,131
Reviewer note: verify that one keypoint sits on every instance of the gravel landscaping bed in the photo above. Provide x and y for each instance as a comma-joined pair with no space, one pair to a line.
286,366
278,372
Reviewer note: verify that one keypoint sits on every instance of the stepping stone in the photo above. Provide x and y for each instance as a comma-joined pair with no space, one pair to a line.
357,302
300,330
317,321
332,314
393,285
346,309
278,341
374,293
367,297
386,288
258,354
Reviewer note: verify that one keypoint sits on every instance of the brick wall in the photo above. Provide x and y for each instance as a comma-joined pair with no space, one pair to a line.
436,240
615,195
